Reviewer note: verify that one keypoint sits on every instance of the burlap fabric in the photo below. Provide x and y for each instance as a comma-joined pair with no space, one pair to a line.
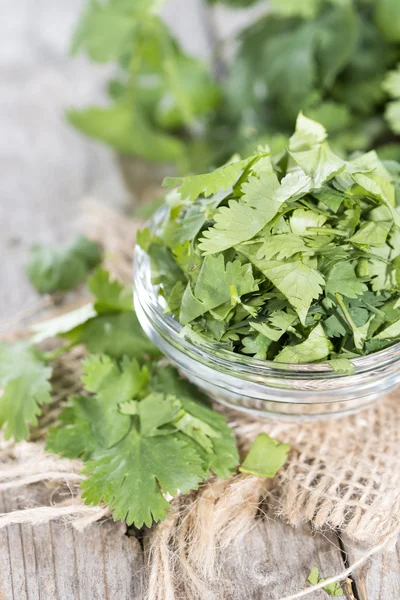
341,473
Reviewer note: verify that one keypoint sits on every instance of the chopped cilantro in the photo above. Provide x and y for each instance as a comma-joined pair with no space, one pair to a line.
333,589
293,259
266,457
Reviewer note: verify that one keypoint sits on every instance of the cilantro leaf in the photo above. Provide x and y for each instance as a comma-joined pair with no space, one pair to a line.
300,283
209,183
234,223
25,384
378,187
281,246
127,129
266,457
111,296
343,280
73,435
242,220
341,366
115,334
280,322
315,347
320,163
390,332
223,458
307,134
213,287
133,476
301,219
156,410
333,589
372,233
143,433
257,345
55,268
112,386
105,30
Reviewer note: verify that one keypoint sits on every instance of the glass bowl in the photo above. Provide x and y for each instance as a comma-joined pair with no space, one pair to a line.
259,386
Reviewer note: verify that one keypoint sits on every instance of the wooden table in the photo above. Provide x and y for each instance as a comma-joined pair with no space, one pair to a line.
46,170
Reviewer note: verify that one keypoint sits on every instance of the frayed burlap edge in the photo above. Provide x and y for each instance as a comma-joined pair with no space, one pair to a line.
340,473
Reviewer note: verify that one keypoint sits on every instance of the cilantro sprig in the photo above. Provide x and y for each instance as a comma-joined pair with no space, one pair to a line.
293,259
143,433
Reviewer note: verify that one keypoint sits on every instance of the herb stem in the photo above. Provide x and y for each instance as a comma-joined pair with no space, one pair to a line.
50,356
326,231
345,312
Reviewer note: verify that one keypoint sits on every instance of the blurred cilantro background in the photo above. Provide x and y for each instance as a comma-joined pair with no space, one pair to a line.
90,86
334,59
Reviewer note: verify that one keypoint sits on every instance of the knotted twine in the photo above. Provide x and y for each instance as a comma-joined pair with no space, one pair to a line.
341,473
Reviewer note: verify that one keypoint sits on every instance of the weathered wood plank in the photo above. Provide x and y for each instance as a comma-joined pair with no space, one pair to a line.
55,562
275,561
379,577
60,540
6,576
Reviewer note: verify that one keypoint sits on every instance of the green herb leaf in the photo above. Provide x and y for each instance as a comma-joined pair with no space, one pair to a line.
333,589
266,457
128,130
111,386
343,280
208,184
372,234
56,268
342,366
213,287
300,283
73,435
315,347
25,385
111,296
133,476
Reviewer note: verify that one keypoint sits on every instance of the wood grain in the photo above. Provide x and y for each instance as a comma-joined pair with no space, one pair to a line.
55,562
379,578
275,561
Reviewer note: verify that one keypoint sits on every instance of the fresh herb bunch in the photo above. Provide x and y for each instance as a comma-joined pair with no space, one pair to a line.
294,260
143,433
161,95
324,57
328,58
